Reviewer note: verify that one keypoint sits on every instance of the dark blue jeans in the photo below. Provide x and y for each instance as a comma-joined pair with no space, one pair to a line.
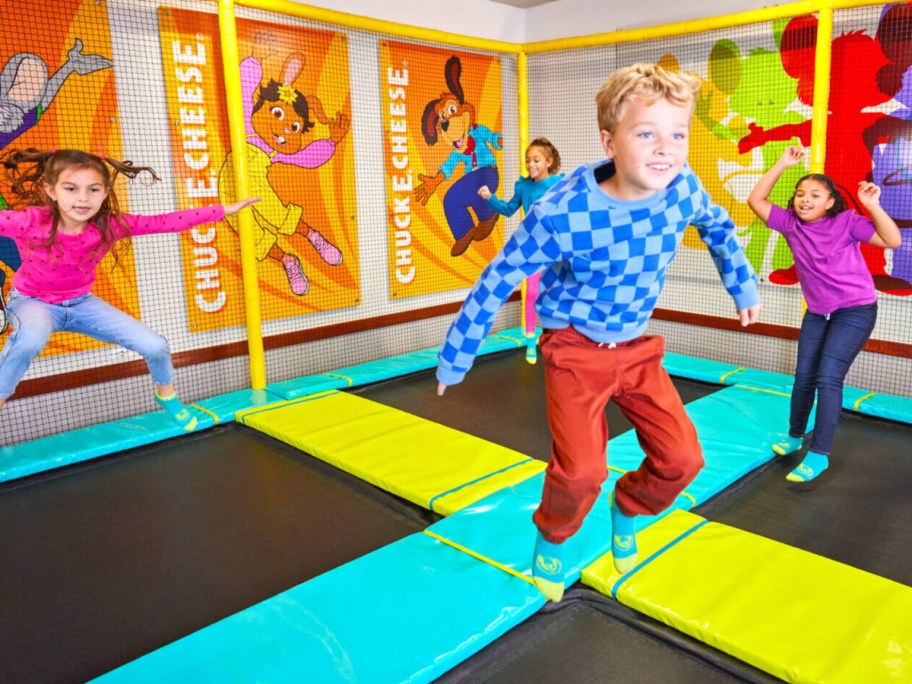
827,346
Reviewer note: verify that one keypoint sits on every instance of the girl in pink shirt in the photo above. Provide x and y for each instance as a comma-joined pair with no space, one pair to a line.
70,222
841,300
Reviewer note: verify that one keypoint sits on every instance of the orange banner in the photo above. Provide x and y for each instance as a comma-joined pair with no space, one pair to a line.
61,95
297,107
442,113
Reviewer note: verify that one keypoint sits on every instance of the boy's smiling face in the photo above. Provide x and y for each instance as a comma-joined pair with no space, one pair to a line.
649,147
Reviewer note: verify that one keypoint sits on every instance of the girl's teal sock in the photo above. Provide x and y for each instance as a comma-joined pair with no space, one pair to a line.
812,465
548,568
788,445
179,412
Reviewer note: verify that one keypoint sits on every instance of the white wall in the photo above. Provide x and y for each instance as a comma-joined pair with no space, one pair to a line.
476,18
560,19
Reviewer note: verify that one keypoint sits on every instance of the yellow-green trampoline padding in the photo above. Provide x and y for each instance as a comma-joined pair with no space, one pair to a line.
796,615
426,463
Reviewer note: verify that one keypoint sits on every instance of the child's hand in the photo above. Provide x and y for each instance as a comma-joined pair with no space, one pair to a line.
237,206
748,316
441,388
484,192
868,194
791,156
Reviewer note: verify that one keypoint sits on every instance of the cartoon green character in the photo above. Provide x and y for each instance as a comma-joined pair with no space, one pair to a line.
762,92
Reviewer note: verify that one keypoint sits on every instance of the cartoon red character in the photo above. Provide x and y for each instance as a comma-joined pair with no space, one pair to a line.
856,59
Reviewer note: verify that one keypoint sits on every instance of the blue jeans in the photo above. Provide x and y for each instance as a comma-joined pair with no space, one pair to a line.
827,346
33,321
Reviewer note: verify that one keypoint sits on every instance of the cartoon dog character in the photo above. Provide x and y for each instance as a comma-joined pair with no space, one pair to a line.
450,119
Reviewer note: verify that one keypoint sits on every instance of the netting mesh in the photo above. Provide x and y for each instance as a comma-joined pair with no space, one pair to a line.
369,184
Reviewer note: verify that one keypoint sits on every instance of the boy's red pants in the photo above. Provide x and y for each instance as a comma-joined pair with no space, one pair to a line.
580,377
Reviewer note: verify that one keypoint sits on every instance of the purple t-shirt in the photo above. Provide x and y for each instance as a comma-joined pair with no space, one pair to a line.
832,273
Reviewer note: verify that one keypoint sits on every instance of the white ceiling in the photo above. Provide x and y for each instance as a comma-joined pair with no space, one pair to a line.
523,3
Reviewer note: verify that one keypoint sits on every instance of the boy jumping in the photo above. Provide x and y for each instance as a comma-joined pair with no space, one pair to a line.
605,238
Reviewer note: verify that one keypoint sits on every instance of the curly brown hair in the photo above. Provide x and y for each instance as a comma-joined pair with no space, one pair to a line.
550,151
29,170
839,204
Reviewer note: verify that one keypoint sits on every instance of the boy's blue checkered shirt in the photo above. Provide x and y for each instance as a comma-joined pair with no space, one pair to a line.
604,261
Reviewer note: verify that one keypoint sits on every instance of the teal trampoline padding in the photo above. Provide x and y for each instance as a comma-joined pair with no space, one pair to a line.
94,441
693,368
736,427
405,613
770,380
86,443
885,406
225,406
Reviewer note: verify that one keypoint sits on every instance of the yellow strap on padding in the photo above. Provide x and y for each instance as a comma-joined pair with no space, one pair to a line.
789,612
426,463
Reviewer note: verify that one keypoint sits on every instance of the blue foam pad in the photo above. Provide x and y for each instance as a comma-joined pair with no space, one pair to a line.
886,406
779,382
405,613
736,427
693,368
94,441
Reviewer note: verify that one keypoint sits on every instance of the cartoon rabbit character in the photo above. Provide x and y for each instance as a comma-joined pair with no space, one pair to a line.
452,120
277,118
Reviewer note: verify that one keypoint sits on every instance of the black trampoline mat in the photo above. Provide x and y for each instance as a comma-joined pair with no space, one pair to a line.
590,639
108,560
857,512
501,400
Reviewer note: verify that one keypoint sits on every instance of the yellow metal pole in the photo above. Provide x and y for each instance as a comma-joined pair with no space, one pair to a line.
522,83
232,72
822,68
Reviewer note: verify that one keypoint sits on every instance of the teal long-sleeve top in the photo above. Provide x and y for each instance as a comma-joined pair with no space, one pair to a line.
525,191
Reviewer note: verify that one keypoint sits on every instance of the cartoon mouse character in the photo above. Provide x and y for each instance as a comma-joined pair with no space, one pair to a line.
277,118
450,119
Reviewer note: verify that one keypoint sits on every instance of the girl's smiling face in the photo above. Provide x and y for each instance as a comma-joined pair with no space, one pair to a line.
538,163
79,193
812,200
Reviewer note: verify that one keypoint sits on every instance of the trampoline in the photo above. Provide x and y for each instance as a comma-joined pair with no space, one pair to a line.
168,546
109,559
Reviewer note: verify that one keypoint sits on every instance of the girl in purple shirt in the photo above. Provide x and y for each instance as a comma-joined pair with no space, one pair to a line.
839,291
70,221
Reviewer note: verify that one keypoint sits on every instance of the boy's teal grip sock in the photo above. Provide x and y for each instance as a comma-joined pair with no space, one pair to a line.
812,465
179,412
548,568
623,539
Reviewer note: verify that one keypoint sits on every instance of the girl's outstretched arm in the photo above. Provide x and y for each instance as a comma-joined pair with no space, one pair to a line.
759,200
237,206
887,235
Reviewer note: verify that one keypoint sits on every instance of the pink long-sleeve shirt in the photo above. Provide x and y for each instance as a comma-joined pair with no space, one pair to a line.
66,269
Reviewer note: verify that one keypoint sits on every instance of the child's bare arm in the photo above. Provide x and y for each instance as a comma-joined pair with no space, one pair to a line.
887,235
759,200
237,206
